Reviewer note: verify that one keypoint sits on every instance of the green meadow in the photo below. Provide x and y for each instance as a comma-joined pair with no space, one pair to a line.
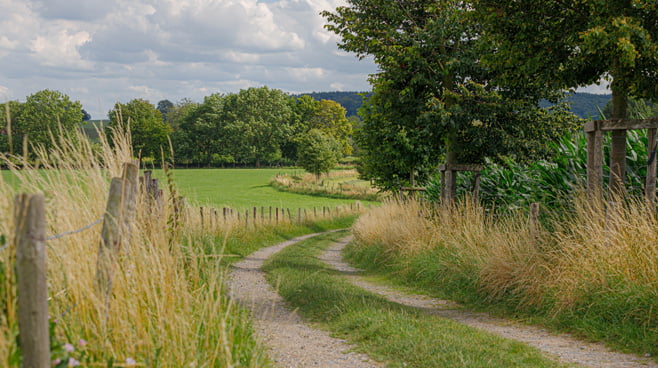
243,189
240,189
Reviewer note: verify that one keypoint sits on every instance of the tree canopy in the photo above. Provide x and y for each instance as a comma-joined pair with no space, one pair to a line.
432,98
318,152
558,44
42,116
148,131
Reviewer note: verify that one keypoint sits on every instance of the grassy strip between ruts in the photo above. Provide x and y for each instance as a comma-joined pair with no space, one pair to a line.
388,332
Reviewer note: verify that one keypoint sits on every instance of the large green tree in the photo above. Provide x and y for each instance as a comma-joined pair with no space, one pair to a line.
331,118
148,131
557,44
326,115
200,135
256,122
44,113
432,97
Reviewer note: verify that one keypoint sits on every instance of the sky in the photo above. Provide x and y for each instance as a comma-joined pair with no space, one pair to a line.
100,52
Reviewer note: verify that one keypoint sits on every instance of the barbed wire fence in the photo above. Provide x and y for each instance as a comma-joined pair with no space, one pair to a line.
30,242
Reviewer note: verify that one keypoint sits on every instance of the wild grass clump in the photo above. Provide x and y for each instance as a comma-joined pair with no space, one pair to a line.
167,306
335,184
595,273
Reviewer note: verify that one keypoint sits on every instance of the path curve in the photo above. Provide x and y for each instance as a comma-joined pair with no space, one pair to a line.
562,347
290,342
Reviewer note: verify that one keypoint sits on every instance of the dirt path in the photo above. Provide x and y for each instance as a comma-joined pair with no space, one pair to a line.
290,342
561,347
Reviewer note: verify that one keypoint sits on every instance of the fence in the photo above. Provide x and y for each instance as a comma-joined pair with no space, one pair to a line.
118,222
259,216
30,240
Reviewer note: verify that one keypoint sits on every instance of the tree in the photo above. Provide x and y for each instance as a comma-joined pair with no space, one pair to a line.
318,152
201,132
149,133
257,121
432,97
331,118
325,115
165,107
85,115
44,113
558,44
8,143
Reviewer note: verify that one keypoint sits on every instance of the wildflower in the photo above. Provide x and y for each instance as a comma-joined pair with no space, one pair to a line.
69,348
73,362
130,361
56,361
82,342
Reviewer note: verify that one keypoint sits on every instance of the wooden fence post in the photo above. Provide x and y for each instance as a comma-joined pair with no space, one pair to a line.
32,283
650,185
119,214
533,218
594,162
130,180
110,237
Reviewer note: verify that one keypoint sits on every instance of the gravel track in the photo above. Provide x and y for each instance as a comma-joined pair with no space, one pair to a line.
562,347
290,342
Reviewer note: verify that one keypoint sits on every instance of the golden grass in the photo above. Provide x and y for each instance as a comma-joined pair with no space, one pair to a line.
342,182
585,252
166,309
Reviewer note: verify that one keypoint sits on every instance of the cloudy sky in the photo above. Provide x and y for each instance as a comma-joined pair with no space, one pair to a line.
103,51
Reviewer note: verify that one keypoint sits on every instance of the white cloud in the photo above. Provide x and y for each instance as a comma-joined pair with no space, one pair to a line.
4,92
104,51
60,48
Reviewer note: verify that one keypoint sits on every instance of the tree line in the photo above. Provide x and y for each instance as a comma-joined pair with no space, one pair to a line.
254,127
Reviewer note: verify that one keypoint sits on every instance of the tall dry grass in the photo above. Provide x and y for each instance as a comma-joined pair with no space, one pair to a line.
167,306
341,183
597,266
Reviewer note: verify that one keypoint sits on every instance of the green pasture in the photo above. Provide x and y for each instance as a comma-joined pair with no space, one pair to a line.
240,189
243,189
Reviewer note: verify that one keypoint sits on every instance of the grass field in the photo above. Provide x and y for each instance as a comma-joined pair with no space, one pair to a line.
243,189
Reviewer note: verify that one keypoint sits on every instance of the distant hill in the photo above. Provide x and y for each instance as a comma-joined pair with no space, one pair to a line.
351,101
582,104
585,104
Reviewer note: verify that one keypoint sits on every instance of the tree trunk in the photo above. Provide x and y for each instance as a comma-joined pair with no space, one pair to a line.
618,146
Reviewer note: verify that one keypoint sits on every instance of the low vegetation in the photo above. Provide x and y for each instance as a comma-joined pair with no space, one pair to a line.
336,184
593,274
398,335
